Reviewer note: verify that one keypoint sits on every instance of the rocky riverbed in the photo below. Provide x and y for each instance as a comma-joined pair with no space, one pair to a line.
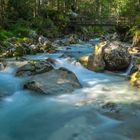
82,104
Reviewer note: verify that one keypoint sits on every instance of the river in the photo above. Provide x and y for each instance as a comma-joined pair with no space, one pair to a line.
26,115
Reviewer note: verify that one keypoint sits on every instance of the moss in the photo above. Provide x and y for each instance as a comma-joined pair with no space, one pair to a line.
22,40
138,75
135,31
138,61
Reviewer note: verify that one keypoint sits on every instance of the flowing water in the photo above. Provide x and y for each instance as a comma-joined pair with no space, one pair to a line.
26,115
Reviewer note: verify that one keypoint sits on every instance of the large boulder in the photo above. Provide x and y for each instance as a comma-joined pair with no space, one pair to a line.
34,67
113,56
54,82
116,56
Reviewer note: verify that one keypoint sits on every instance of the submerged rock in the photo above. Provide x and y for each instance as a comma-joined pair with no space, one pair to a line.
34,67
111,107
54,82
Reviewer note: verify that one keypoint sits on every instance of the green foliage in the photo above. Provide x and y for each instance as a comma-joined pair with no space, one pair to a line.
20,29
138,75
5,34
137,19
96,30
62,21
135,30
51,17
45,26
22,40
19,9
41,22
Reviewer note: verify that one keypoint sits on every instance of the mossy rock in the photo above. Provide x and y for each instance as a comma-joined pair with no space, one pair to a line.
135,79
47,48
23,40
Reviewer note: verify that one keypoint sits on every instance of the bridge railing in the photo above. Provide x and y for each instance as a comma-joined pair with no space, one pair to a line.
102,20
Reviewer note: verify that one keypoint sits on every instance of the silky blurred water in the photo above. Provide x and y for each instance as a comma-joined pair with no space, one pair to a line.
26,115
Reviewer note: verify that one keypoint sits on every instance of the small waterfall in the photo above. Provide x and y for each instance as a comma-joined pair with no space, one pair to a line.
2,66
128,71
85,76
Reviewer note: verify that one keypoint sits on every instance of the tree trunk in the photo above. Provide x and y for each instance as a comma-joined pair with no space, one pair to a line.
2,10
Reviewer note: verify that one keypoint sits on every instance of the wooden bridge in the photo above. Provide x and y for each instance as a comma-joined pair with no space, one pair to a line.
101,21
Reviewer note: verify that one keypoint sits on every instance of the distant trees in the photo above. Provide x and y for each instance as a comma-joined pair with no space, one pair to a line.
28,9
2,12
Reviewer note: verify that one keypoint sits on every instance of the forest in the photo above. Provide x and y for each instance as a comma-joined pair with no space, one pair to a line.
69,69
53,17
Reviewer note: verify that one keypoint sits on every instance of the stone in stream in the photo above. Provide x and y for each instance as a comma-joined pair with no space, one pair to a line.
54,82
116,56
111,107
34,67
137,83
113,56
84,60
